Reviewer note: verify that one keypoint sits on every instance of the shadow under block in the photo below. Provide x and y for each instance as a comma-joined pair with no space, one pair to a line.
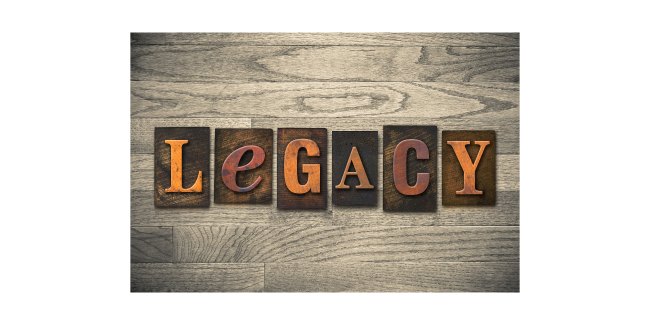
310,200
228,141
365,143
394,200
485,174
195,159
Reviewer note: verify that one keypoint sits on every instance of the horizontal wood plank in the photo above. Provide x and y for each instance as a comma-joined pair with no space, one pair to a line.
374,39
318,99
178,277
151,245
194,63
392,277
142,129
345,244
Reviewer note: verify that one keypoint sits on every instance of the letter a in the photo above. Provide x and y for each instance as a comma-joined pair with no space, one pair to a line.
469,168
177,169
359,172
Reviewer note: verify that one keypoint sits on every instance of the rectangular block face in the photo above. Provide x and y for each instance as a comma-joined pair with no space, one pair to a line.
453,176
366,147
310,200
394,199
195,158
227,141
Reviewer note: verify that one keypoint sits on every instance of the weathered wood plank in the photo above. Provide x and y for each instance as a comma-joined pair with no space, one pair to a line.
151,245
345,244
318,99
142,129
392,277
323,63
175,277
373,39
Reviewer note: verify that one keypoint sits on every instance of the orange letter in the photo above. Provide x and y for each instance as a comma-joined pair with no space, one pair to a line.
231,167
359,172
177,169
399,167
291,167
469,168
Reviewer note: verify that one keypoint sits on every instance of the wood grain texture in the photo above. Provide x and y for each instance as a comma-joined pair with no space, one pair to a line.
174,277
374,39
345,244
192,63
341,82
324,99
392,277
151,245
142,129
505,213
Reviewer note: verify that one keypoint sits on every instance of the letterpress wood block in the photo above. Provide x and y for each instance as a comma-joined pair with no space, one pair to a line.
466,181
302,169
182,167
354,167
243,162
410,163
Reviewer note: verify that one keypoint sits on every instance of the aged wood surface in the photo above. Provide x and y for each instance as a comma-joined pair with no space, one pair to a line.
151,244
142,129
177,277
392,277
324,99
341,82
504,213
345,244
323,63
374,39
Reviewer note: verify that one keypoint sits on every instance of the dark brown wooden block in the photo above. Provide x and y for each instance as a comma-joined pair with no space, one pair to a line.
366,150
310,199
453,176
195,159
226,142
394,199
151,244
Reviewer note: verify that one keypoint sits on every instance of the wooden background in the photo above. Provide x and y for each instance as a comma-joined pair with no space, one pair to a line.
337,81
